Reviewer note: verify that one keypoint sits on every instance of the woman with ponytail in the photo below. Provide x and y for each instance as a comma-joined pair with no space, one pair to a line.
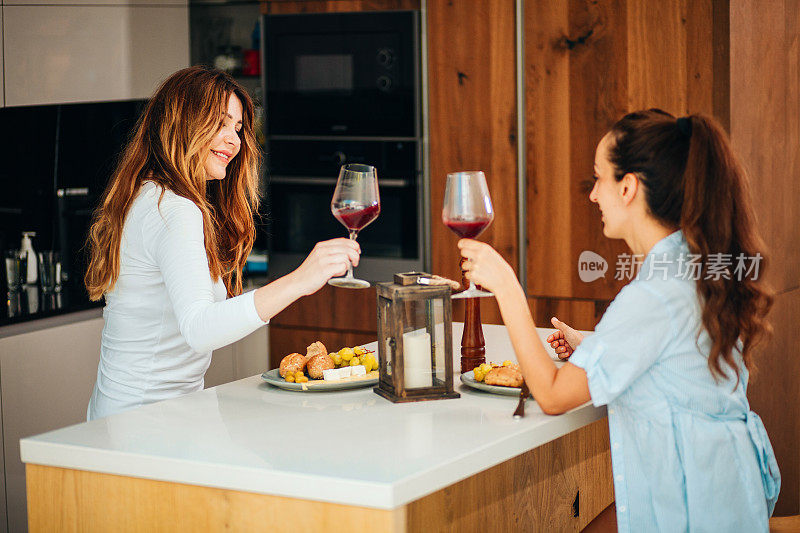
170,239
671,355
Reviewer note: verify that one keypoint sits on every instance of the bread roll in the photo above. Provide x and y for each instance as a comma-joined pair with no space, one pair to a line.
504,376
318,363
316,348
294,362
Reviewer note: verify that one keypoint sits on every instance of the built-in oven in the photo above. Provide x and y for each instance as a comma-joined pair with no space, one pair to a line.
343,88
342,74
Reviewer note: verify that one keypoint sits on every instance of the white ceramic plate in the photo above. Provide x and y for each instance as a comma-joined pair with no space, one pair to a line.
468,379
317,385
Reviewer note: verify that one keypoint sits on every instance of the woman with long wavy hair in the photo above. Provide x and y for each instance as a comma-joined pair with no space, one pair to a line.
170,239
671,355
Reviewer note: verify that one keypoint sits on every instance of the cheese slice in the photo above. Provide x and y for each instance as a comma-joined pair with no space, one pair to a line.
331,374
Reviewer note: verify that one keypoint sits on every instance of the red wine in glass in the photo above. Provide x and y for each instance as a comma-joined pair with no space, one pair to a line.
467,212
356,203
355,218
468,229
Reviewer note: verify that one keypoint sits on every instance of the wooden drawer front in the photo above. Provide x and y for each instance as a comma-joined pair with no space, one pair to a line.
332,308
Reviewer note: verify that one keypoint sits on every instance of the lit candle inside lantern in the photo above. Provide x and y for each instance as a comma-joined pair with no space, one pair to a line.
417,359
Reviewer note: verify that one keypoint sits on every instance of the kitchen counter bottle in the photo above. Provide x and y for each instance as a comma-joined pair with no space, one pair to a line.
27,248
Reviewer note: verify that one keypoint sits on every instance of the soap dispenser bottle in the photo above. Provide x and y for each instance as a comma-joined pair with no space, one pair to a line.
27,248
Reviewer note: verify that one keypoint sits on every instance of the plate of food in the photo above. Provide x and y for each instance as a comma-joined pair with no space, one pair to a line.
504,379
320,370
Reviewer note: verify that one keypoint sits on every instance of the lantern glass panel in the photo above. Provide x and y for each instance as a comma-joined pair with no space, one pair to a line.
437,339
417,344
385,328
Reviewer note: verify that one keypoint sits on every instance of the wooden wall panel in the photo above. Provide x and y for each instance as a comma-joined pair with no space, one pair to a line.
471,93
578,57
587,65
580,314
548,148
765,131
765,128
774,392
333,308
275,7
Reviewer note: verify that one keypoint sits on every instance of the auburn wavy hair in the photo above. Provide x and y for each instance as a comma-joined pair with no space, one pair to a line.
693,180
169,146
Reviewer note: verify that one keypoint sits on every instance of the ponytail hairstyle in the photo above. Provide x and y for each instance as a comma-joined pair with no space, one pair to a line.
169,146
693,181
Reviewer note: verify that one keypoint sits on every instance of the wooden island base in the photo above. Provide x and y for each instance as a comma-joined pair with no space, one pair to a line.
541,490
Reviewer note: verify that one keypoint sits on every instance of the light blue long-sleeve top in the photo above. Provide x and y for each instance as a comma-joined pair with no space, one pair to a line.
687,452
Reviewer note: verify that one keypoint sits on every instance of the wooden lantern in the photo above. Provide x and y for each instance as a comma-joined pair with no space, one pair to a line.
415,340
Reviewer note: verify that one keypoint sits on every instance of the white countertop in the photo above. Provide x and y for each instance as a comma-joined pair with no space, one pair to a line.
351,447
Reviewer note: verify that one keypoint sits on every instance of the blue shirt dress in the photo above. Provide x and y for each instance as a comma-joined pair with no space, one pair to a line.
687,452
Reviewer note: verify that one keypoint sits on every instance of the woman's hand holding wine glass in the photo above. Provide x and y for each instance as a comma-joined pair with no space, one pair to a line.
327,259
467,212
485,267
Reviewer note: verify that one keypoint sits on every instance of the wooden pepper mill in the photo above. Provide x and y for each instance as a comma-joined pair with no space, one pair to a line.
473,347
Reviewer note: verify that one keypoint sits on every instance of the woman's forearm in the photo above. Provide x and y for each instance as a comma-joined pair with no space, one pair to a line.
273,298
537,368
556,390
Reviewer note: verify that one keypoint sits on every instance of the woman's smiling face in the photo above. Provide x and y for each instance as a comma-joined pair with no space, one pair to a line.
226,142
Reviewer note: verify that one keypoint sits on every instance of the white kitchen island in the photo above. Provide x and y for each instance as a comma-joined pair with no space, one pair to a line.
246,456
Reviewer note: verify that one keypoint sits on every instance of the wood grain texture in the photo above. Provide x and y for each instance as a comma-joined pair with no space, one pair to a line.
471,93
74,500
765,123
578,313
765,131
587,64
773,392
333,308
534,491
275,7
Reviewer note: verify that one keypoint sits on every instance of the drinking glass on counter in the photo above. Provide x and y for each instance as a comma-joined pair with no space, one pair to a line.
355,204
467,212
50,270
16,268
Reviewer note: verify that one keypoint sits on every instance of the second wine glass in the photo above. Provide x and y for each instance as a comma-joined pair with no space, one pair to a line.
356,203
467,212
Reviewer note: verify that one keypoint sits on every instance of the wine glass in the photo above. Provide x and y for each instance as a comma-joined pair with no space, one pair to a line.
355,204
467,212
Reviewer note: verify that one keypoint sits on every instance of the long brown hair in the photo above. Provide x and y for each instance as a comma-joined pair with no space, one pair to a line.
169,146
692,180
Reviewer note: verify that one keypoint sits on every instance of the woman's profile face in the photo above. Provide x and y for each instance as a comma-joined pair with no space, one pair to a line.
607,192
226,142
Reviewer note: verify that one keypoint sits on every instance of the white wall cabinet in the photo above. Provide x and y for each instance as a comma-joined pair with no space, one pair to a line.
66,54
46,378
